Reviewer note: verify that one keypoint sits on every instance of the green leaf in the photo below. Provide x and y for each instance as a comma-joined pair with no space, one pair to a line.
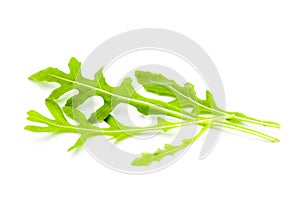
116,131
169,150
205,112
185,97
112,96
55,75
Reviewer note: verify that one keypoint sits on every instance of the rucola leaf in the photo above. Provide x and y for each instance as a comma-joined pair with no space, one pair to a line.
205,112
186,97
169,150
112,96
116,131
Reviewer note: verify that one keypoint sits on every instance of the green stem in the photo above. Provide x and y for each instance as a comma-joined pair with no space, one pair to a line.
246,130
259,122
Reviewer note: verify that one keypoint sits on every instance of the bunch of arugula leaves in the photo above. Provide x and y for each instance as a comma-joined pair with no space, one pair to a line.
204,112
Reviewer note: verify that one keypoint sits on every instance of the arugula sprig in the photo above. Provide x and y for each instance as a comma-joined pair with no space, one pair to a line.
112,96
204,112
117,131
147,158
186,97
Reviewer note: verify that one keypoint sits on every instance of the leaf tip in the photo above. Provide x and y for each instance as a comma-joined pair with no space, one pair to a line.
73,61
276,140
70,149
31,78
137,162
27,128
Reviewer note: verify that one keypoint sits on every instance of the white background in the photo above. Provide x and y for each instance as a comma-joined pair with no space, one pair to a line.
255,46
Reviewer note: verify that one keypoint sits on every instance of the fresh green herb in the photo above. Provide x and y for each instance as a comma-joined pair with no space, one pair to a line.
204,112
147,158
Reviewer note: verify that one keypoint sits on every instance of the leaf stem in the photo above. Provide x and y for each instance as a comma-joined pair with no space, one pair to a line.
246,130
